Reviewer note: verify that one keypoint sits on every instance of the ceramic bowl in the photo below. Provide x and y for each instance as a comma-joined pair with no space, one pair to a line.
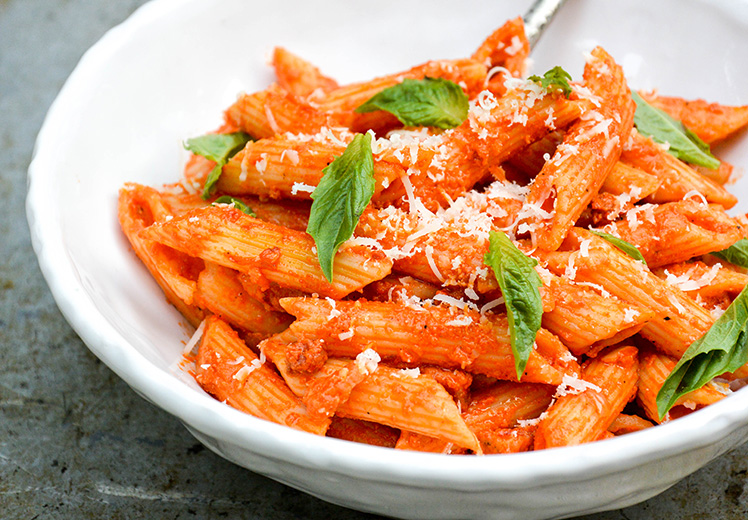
167,73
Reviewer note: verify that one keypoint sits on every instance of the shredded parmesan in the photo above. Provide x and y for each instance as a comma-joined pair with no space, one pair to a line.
300,186
460,321
455,302
293,156
599,287
571,385
347,334
685,283
243,373
429,250
410,372
367,361
629,315
678,305
334,313
189,348
492,304
698,195
584,248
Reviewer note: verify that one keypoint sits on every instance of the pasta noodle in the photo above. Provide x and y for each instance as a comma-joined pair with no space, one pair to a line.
411,337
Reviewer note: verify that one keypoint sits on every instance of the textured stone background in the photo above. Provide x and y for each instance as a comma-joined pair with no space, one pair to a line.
76,442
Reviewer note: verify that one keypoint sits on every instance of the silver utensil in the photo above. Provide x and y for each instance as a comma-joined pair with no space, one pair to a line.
538,17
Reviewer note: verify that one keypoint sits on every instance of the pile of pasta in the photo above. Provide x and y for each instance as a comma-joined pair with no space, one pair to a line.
408,346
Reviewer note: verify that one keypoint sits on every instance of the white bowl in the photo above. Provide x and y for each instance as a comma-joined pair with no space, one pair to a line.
169,71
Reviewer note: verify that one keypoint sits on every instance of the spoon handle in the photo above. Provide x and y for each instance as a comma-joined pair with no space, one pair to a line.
538,17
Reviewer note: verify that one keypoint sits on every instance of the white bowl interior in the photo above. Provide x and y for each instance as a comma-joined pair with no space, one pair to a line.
168,72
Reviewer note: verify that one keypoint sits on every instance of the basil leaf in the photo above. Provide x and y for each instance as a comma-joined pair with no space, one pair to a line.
683,143
218,148
627,247
519,283
556,78
424,102
342,194
226,199
724,348
736,254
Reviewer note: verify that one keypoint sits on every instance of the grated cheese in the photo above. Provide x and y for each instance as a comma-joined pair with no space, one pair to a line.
367,361
334,313
684,282
571,271
460,321
584,247
455,302
189,348
571,385
300,186
629,315
410,372
698,195
293,156
347,334
262,163
599,287
678,305
429,250
243,373
271,120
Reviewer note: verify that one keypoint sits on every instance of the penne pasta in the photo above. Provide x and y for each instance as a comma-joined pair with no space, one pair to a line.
175,272
690,229
588,153
220,291
228,237
298,76
365,432
679,320
442,336
608,382
586,321
653,369
231,372
364,390
712,122
678,180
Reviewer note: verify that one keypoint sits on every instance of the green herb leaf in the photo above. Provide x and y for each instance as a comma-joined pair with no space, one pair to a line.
519,283
226,199
342,194
425,102
627,247
724,348
556,78
736,254
218,148
683,143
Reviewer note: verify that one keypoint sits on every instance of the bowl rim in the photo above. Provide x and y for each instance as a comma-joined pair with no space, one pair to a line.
696,430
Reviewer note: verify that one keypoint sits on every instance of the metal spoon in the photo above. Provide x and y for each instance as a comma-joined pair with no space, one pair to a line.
538,17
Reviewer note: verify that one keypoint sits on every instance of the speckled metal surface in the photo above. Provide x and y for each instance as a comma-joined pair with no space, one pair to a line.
75,441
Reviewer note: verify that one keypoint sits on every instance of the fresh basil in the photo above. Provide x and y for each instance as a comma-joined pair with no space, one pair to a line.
736,254
218,148
342,194
226,199
627,247
424,102
519,283
682,142
554,79
724,348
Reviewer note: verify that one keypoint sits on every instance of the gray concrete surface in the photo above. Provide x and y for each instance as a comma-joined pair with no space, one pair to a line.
76,442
